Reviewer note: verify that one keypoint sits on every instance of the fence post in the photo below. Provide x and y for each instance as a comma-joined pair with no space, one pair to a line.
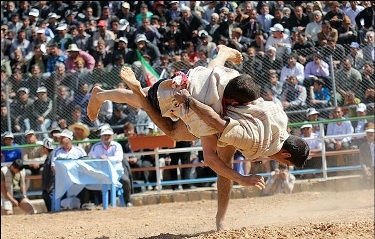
8,106
333,80
324,158
157,168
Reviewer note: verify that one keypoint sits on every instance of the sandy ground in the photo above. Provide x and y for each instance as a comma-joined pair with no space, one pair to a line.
301,215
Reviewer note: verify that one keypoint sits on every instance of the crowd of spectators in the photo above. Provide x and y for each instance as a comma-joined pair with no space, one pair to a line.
53,53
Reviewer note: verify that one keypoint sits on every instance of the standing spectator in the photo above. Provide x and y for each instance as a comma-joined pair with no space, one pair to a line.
48,177
74,53
41,117
213,24
280,41
367,156
251,26
293,68
294,96
13,190
190,25
335,15
353,11
10,155
108,149
280,181
225,28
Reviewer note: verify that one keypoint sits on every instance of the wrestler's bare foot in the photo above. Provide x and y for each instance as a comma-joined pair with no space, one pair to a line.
128,76
219,225
94,104
233,55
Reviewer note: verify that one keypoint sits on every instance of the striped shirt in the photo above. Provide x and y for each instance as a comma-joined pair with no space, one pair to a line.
257,129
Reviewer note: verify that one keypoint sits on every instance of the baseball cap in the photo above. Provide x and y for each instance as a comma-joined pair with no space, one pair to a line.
125,5
62,27
106,131
311,111
361,107
123,39
8,135
140,37
66,133
24,89
30,131
41,89
102,23
306,125
34,12
277,28
48,143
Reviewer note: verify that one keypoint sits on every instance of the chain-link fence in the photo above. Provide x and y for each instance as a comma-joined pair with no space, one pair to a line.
322,78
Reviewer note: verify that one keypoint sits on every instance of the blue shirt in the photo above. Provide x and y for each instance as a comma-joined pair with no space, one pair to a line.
52,61
11,154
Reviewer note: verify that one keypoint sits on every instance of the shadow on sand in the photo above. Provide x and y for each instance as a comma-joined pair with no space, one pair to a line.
180,236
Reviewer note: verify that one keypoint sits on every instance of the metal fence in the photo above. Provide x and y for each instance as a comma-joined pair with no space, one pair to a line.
346,76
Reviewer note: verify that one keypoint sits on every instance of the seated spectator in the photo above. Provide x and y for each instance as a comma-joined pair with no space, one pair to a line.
312,115
9,155
36,79
202,59
82,38
63,39
367,156
48,177
304,48
316,67
347,32
102,33
259,43
366,16
151,32
294,96
55,56
21,44
252,64
280,18
33,154
320,95
39,58
145,48
348,79
62,102
368,50
122,49
205,43
268,95
74,53
164,68
367,87
82,97
360,125
326,33
293,68
275,85
335,50
13,193
265,18
314,144
118,118
237,41
344,127
356,56
18,62
81,132
280,181
270,61
108,149
280,41
314,27
20,109
41,116
299,19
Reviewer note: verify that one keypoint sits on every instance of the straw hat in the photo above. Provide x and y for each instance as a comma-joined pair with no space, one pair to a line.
84,127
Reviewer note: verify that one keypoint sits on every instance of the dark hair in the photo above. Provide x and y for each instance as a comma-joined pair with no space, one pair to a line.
242,89
18,164
299,150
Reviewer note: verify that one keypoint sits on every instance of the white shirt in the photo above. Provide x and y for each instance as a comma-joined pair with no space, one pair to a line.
345,127
74,153
298,71
286,41
312,29
114,153
353,13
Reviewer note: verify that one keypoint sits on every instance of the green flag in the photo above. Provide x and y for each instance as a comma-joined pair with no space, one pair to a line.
150,73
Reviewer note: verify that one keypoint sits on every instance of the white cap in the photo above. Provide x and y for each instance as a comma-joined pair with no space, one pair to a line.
277,28
30,131
311,111
123,39
48,143
140,37
53,15
41,30
361,107
306,125
8,135
41,89
62,27
106,131
370,128
354,44
65,133
34,12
